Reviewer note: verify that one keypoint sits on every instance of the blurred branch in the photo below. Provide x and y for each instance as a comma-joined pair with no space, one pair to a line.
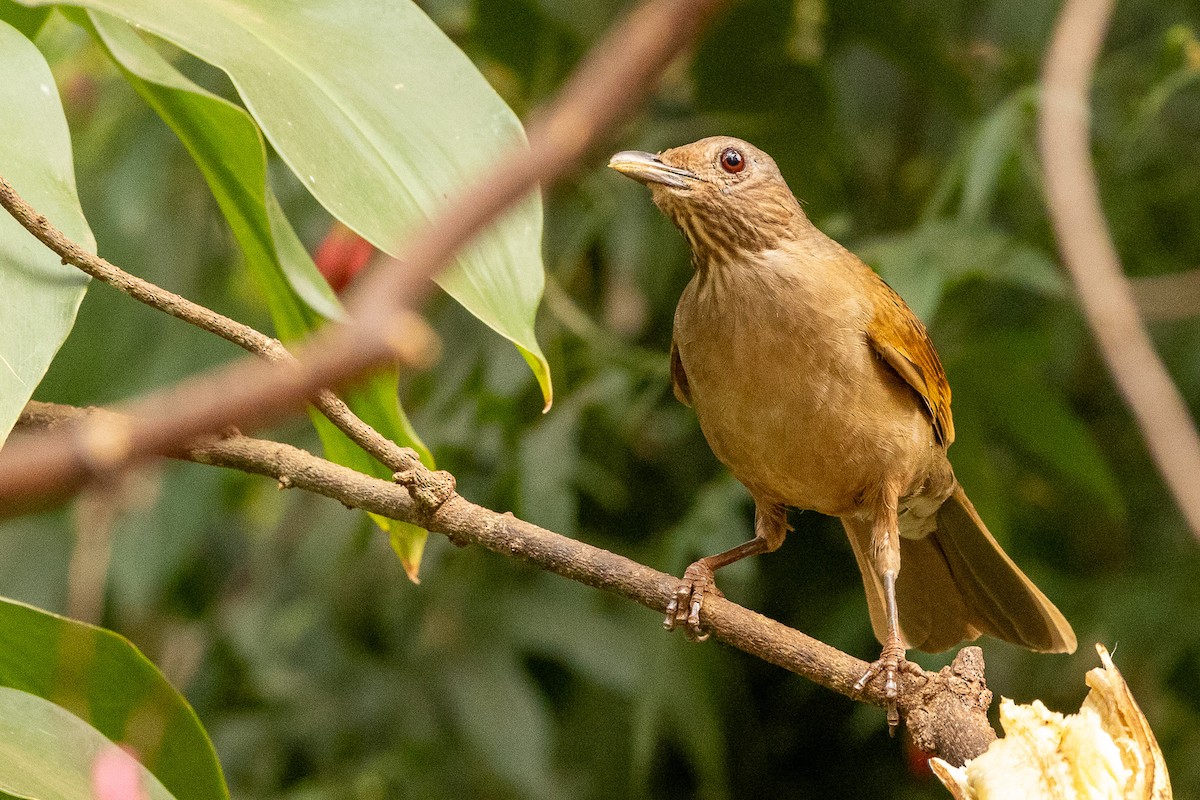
611,82
95,516
1168,297
382,448
1105,294
946,713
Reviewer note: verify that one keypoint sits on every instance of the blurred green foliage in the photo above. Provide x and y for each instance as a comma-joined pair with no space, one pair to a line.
70,690
907,129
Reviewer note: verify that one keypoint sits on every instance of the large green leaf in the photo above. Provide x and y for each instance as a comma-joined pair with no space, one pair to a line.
38,295
104,680
48,753
382,117
226,145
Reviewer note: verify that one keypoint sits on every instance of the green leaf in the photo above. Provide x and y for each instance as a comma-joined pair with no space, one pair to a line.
39,296
382,117
921,264
995,141
104,680
47,753
227,146
27,20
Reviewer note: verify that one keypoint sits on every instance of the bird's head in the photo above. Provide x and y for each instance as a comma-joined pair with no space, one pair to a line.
726,195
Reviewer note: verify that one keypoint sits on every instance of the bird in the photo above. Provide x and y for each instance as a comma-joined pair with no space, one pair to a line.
820,389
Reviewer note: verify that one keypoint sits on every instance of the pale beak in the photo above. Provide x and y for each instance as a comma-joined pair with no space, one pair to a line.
649,168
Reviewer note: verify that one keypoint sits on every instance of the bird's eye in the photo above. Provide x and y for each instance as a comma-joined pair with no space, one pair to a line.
732,161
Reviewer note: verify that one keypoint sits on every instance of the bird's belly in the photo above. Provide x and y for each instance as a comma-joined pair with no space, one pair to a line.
816,427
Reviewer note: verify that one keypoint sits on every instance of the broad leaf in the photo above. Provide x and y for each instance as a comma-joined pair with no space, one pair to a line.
38,295
48,753
382,117
104,680
226,145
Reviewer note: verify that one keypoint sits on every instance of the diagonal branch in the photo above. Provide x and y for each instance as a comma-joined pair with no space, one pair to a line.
611,82
1105,294
388,453
946,713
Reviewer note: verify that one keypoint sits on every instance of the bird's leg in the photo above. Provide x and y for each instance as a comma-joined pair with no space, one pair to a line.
885,551
770,527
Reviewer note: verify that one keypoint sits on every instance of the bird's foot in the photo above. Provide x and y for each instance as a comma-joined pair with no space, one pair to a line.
684,608
890,664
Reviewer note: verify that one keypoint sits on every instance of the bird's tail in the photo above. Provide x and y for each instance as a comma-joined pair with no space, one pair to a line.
957,583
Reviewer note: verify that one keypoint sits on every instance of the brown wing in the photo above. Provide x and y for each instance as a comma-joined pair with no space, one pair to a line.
902,341
679,381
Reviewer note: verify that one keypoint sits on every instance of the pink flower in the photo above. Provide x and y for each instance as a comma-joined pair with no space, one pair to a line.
116,775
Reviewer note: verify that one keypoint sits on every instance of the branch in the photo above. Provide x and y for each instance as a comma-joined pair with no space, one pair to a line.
947,713
612,81
1105,294
388,453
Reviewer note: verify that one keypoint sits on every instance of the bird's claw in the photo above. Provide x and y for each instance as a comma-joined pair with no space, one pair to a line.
891,663
684,606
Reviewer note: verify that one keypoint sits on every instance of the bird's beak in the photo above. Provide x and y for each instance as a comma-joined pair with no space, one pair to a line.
649,168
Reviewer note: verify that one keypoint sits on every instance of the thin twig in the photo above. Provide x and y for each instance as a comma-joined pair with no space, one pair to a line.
946,713
606,88
1106,297
390,454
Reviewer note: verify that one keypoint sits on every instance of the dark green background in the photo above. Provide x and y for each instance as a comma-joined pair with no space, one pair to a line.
907,130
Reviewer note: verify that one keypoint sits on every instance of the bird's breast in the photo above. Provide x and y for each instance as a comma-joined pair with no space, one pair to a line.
788,390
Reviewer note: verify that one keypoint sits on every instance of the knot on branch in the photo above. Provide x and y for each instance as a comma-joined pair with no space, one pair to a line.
104,440
965,680
429,490
948,717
